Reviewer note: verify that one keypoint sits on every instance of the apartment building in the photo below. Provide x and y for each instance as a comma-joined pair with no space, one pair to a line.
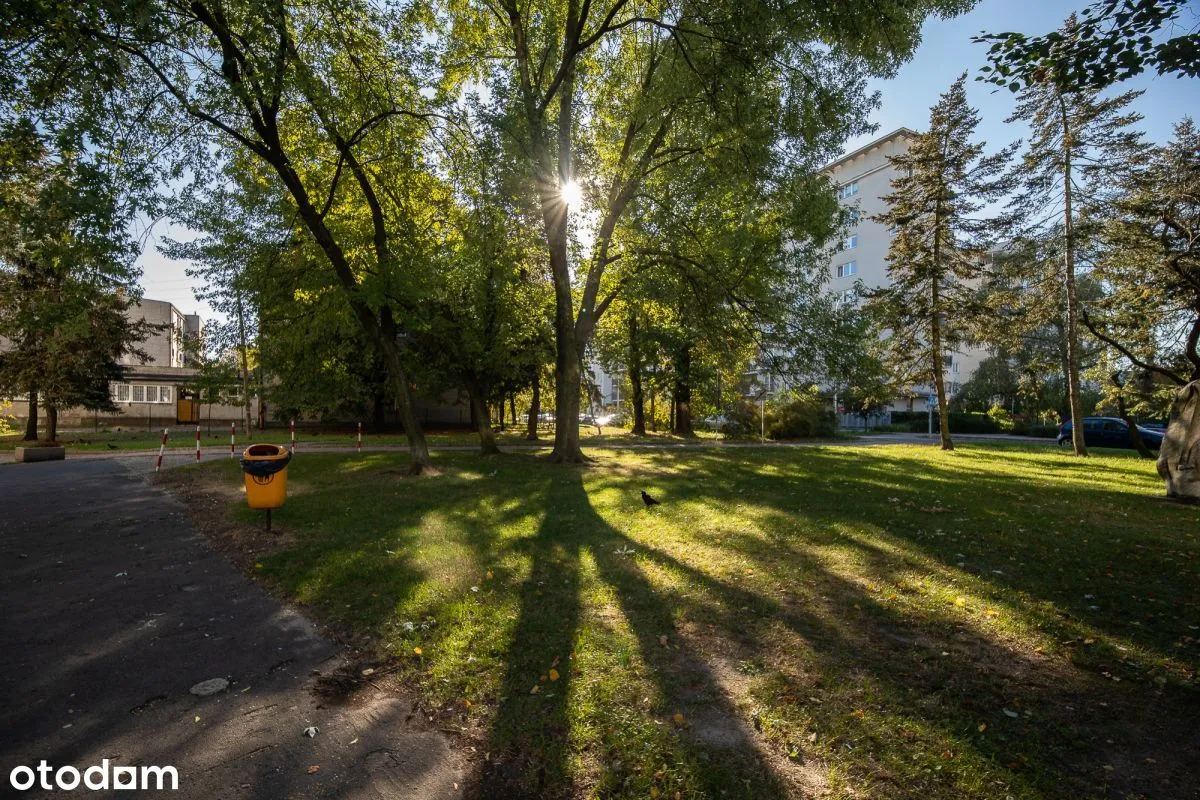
863,178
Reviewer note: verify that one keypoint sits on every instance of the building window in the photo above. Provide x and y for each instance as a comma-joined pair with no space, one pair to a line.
853,216
847,297
850,242
849,190
140,393
847,269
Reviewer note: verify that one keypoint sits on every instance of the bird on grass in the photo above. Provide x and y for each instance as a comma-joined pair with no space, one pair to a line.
110,446
648,500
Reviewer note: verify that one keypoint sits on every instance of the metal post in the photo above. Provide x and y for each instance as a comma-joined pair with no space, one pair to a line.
293,436
762,417
197,444
232,439
161,448
360,438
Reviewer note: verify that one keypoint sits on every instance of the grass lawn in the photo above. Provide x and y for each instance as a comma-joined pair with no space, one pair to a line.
184,437
870,622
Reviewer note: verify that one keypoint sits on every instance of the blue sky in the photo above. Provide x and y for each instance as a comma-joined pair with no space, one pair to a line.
945,51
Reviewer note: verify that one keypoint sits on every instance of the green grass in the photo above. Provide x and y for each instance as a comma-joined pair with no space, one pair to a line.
883,622
184,437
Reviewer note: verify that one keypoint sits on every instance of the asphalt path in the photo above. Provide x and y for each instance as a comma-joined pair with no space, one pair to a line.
115,607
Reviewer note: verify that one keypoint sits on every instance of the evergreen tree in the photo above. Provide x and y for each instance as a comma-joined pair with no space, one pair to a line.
1079,142
1149,263
936,255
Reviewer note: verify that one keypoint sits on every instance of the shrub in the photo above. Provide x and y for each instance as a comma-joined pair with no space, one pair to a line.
6,421
960,421
1001,416
800,414
741,420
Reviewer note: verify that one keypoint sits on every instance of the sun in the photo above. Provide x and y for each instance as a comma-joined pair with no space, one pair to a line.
571,194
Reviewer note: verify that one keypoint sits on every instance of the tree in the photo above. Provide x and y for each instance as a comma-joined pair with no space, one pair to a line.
1111,42
324,101
937,252
66,275
1148,262
1079,143
661,84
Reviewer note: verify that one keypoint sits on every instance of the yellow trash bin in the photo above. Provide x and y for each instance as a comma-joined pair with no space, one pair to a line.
264,470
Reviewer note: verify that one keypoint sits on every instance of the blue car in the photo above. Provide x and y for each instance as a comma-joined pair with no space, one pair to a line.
1109,432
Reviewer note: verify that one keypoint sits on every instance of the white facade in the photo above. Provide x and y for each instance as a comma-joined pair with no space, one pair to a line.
864,178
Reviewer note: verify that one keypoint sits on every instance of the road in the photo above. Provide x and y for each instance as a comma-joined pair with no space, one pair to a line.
115,607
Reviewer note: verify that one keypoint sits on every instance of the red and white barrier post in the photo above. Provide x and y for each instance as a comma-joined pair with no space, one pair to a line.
293,436
360,438
161,448
232,439
197,444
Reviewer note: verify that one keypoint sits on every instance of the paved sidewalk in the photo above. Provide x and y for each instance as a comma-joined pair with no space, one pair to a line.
114,606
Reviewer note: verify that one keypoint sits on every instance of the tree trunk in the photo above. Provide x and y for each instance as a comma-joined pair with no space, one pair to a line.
671,415
939,381
653,414
245,368
1135,436
31,422
935,329
535,410
51,422
483,421
1073,387
636,398
378,413
512,407
683,393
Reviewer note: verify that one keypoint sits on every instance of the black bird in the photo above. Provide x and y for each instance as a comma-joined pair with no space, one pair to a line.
648,500
111,446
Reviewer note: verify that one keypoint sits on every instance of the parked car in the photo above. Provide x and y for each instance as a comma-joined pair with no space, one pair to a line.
716,423
1109,432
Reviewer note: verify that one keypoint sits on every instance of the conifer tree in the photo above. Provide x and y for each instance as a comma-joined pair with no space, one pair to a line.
1149,264
1080,141
936,254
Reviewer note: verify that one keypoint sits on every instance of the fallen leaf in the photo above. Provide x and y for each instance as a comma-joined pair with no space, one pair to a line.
982,727
311,731
553,674
535,689
197,719
1011,714
489,574
314,769
679,720
368,672
417,650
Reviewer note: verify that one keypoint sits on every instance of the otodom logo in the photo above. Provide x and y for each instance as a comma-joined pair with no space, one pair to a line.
101,777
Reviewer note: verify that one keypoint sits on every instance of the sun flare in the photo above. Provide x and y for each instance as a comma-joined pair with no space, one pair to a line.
571,194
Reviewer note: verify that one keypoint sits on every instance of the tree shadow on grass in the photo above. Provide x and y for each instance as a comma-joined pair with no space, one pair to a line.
533,731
